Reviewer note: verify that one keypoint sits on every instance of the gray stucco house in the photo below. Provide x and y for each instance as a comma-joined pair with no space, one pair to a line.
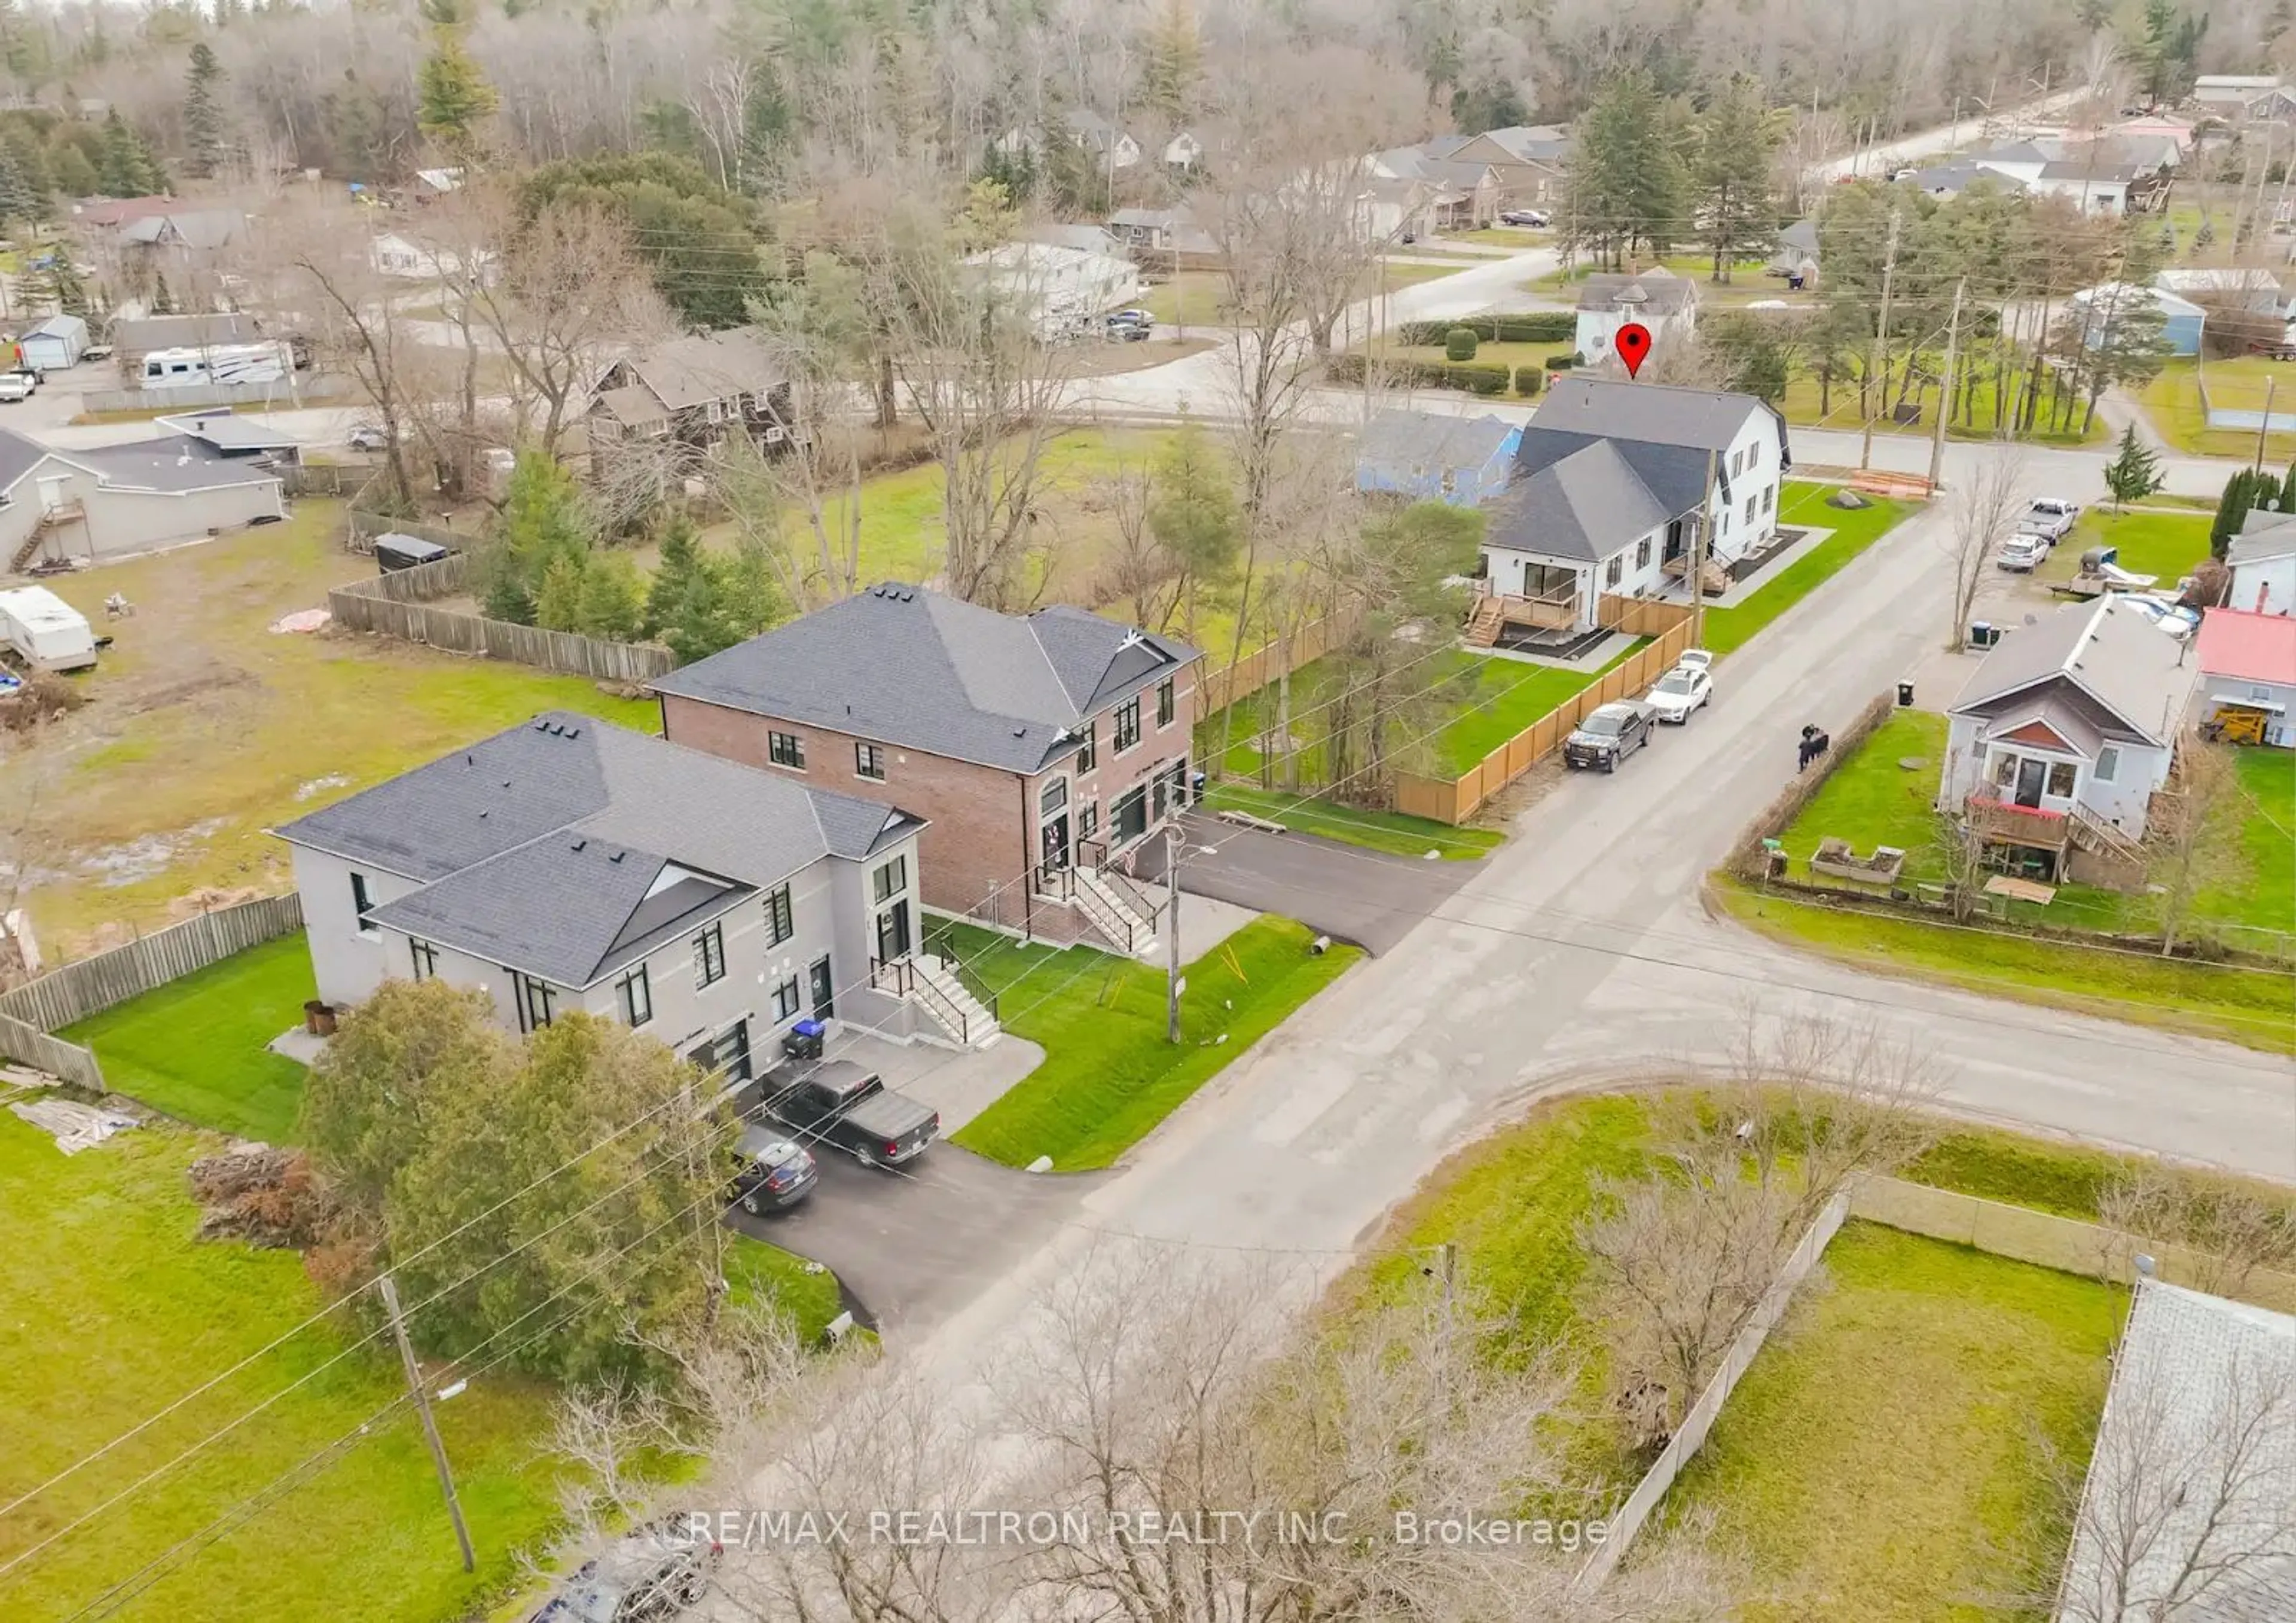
115,501
567,864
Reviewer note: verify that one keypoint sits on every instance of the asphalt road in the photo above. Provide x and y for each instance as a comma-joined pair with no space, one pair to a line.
1579,951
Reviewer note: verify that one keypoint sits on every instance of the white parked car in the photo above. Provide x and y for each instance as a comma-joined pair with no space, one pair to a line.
1682,690
2021,553
2050,516
1695,659
2177,623
16,386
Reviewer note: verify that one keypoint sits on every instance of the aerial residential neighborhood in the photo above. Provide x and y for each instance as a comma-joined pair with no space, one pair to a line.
1199,812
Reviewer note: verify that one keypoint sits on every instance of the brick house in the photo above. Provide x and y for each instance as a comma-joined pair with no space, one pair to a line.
1040,749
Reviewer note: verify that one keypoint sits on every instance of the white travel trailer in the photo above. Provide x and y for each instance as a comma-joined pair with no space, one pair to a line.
47,632
195,368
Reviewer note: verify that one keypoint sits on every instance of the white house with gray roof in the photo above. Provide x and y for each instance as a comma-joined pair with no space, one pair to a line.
1610,484
2263,560
2060,738
1665,303
566,864
115,501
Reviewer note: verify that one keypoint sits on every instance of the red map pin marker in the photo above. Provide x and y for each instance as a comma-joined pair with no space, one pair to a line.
1633,344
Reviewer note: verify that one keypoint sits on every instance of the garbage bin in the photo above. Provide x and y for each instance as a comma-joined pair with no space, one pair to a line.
1905,695
319,1018
1983,634
803,1040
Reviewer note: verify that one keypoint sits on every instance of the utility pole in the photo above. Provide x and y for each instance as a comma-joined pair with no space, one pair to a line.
1882,332
2265,427
1944,385
1698,551
390,1288
1172,933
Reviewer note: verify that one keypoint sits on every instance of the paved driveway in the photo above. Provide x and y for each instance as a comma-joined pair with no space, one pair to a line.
916,1245
1368,898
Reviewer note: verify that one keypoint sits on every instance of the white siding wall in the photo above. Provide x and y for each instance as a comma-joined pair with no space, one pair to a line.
117,523
2141,769
1755,447
2266,587
348,965
1635,577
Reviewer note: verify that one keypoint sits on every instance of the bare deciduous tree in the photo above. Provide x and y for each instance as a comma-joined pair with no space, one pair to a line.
2181,828
1977,520
2224,1232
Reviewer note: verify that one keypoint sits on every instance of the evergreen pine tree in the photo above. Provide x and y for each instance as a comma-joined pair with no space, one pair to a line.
1730,175
454,100
2134,472
558,600
203,126
608,607
701,622
681,560
19,208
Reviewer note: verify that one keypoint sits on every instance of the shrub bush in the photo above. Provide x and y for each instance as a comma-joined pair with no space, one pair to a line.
1561,363
1528,379
1459,344
1482,379
1538,327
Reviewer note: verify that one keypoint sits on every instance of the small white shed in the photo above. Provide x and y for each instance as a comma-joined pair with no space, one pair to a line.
48,632
56,343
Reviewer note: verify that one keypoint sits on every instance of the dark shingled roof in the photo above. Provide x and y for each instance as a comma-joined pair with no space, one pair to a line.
513,838
1583,506
911,668
1651,414
1399,439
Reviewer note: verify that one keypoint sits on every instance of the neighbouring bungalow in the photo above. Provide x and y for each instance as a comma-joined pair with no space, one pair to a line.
2062,736
2262,557
1611,486
2243,98
106,502
2095,311
1166,240
1044,748
1665,303
2248,677
1060,289
567,865
1432,456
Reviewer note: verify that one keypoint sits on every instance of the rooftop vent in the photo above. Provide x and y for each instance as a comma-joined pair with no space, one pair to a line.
581,845
617,856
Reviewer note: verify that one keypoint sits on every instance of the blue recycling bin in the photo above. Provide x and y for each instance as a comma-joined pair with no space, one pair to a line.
803,1040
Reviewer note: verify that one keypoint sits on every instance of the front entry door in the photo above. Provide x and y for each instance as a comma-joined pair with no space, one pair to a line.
2030,776
1053,844
893,932
824,991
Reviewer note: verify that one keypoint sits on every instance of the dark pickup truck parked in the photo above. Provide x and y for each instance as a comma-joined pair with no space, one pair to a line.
836,1102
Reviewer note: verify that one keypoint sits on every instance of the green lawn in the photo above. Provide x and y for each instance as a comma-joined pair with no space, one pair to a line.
2169,545
1808,405
194,1047
1803,503
1889,1454
1108,1077
1376,830
115,1310
2255,1008
1521,239
804,1290
1870,800
2173,400
1192,298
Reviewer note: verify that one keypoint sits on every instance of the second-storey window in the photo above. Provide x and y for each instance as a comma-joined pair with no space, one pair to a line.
890,879
869,761
362,903
1088,752
424,956
785,749
634,993
710,956
1642,553
780,924
1165,702
1128,727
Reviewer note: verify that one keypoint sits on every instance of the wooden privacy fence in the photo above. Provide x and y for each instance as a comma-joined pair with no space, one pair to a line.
1221,688
92,985
323,479
394,605
365,527
1691,1434
27,1044
1456,800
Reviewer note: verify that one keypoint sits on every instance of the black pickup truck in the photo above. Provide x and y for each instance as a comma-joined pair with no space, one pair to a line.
836,1102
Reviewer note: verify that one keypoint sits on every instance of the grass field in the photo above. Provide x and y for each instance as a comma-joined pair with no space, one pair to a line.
1189,299
1500,237
1890,1454
1108,1077
1854,530
2174,401
194,1047
2254,1008
1806,405
2169,545
1377,831
805,1292
115,1310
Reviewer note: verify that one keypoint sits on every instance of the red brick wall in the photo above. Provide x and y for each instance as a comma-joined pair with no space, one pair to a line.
978,816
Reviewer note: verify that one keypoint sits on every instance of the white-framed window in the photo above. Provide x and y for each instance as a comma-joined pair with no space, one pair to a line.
2063,775
785,749
869,762
1769,498
1614,569
2108,764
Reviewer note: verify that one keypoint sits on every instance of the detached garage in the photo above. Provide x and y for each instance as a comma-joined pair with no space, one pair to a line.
56,343
2248,677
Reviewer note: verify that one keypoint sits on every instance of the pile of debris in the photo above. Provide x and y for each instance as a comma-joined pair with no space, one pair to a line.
266,1196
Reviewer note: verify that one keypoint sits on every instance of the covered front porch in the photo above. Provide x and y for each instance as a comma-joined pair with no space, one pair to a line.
1554,598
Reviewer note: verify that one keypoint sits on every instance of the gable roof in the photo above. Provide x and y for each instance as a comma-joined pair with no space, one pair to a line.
1396,438
512,838
1659,291
705,366
1947,179
2192,1374
2263,534
1674,476
194,228
2107,653
909,667
2254,647
59,325
1584,506
18,457
1532,143
1653,414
